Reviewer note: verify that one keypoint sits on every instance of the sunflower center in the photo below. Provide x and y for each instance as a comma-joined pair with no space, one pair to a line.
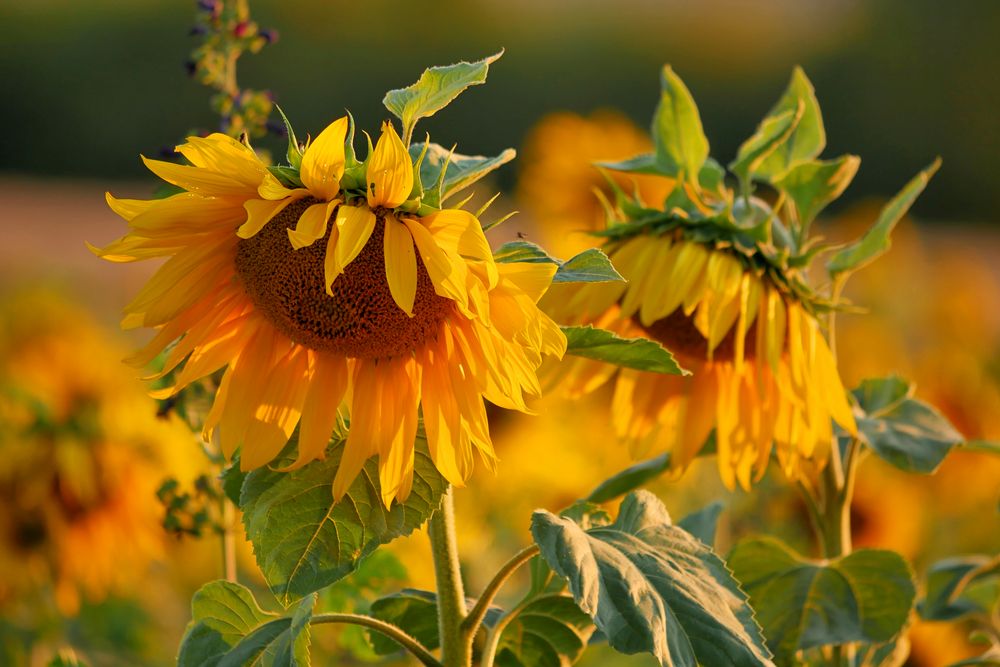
678,333
360,319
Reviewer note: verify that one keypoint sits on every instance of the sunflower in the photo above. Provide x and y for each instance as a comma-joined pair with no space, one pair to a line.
82,455
330,285
715,276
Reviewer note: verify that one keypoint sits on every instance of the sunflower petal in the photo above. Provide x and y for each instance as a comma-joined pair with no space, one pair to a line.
354,228
390,171
311,225
323,162
259,213
400,264
447,273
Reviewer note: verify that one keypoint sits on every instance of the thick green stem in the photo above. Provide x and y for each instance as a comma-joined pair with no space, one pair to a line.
391,631
456,644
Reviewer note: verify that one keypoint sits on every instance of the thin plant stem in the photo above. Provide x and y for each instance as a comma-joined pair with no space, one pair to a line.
478,613
456,644
405,640
493,636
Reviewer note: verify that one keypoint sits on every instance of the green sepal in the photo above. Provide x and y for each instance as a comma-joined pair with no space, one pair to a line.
865,596
807,139
876,240
434,90
287,176
771,133
679,139
451,172
294,152
637,353
814,184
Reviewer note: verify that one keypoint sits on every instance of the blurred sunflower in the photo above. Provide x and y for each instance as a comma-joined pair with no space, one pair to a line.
336,285
716,277
82,457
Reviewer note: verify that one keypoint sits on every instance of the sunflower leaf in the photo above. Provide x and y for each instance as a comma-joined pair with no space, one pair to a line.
434,90
703,523
590,266
652,587
640,164
459,171
808,137
550,630
680,141
771,133
902,430
638,353
865,596
229,629
415,612
950,587
876,240
305,541
629,479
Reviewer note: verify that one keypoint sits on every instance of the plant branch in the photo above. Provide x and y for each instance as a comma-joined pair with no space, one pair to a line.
475,618
389,630
456,645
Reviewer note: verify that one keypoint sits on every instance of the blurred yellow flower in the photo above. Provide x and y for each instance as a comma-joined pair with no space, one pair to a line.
391,312
83,453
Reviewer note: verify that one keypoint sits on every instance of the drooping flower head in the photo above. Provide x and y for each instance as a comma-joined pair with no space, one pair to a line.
332,281
717,277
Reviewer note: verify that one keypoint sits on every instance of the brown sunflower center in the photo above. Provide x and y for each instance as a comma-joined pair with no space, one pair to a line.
678,333
361,319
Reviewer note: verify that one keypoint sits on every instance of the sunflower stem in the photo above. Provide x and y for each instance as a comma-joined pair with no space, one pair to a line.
391,631
456,643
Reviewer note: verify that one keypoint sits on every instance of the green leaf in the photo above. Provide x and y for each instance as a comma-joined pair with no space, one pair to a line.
712,178
638,353
232,480
587,514
523,251
879,395
458,171
548,631
411,610
947,581
646,163
652,587
229,629
293,153
904,431
808,138
630,479
414,612
66,658
863,597
703,523
304,541
434,90
590,266
772,132
876,241
681,145
814,184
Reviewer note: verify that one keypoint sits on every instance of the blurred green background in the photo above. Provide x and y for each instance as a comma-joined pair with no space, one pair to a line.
88,85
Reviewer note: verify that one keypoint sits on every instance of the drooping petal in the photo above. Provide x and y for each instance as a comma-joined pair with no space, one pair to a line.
311,225
201,181
323,162
259,213
390,171
446,272
400,264
319,412
354,228
278,410
459,232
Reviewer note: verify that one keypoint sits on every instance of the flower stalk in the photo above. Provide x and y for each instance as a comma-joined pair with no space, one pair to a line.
456,643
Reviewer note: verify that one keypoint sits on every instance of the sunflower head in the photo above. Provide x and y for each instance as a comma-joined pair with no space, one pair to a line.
334,282
717,273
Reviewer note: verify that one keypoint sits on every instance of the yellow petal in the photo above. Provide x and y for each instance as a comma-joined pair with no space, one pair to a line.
323,161
354,228
400,264
259,213
271,188
201,181
311,225
390,171
282,394
532,279
362,439
319,412
225,155
459,232
448,274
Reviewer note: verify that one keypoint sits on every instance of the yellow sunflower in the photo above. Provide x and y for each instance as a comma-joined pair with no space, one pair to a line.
762,371
335,286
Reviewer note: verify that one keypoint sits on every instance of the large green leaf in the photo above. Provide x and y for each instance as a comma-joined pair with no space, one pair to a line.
808,138
814,184
638,353
876,240
548,631
949,581
434,90
589,266
444,173
906,432
652,587
305,541
679,139
229,629
863,597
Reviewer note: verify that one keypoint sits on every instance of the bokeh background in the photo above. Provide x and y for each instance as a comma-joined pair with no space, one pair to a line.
87,86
